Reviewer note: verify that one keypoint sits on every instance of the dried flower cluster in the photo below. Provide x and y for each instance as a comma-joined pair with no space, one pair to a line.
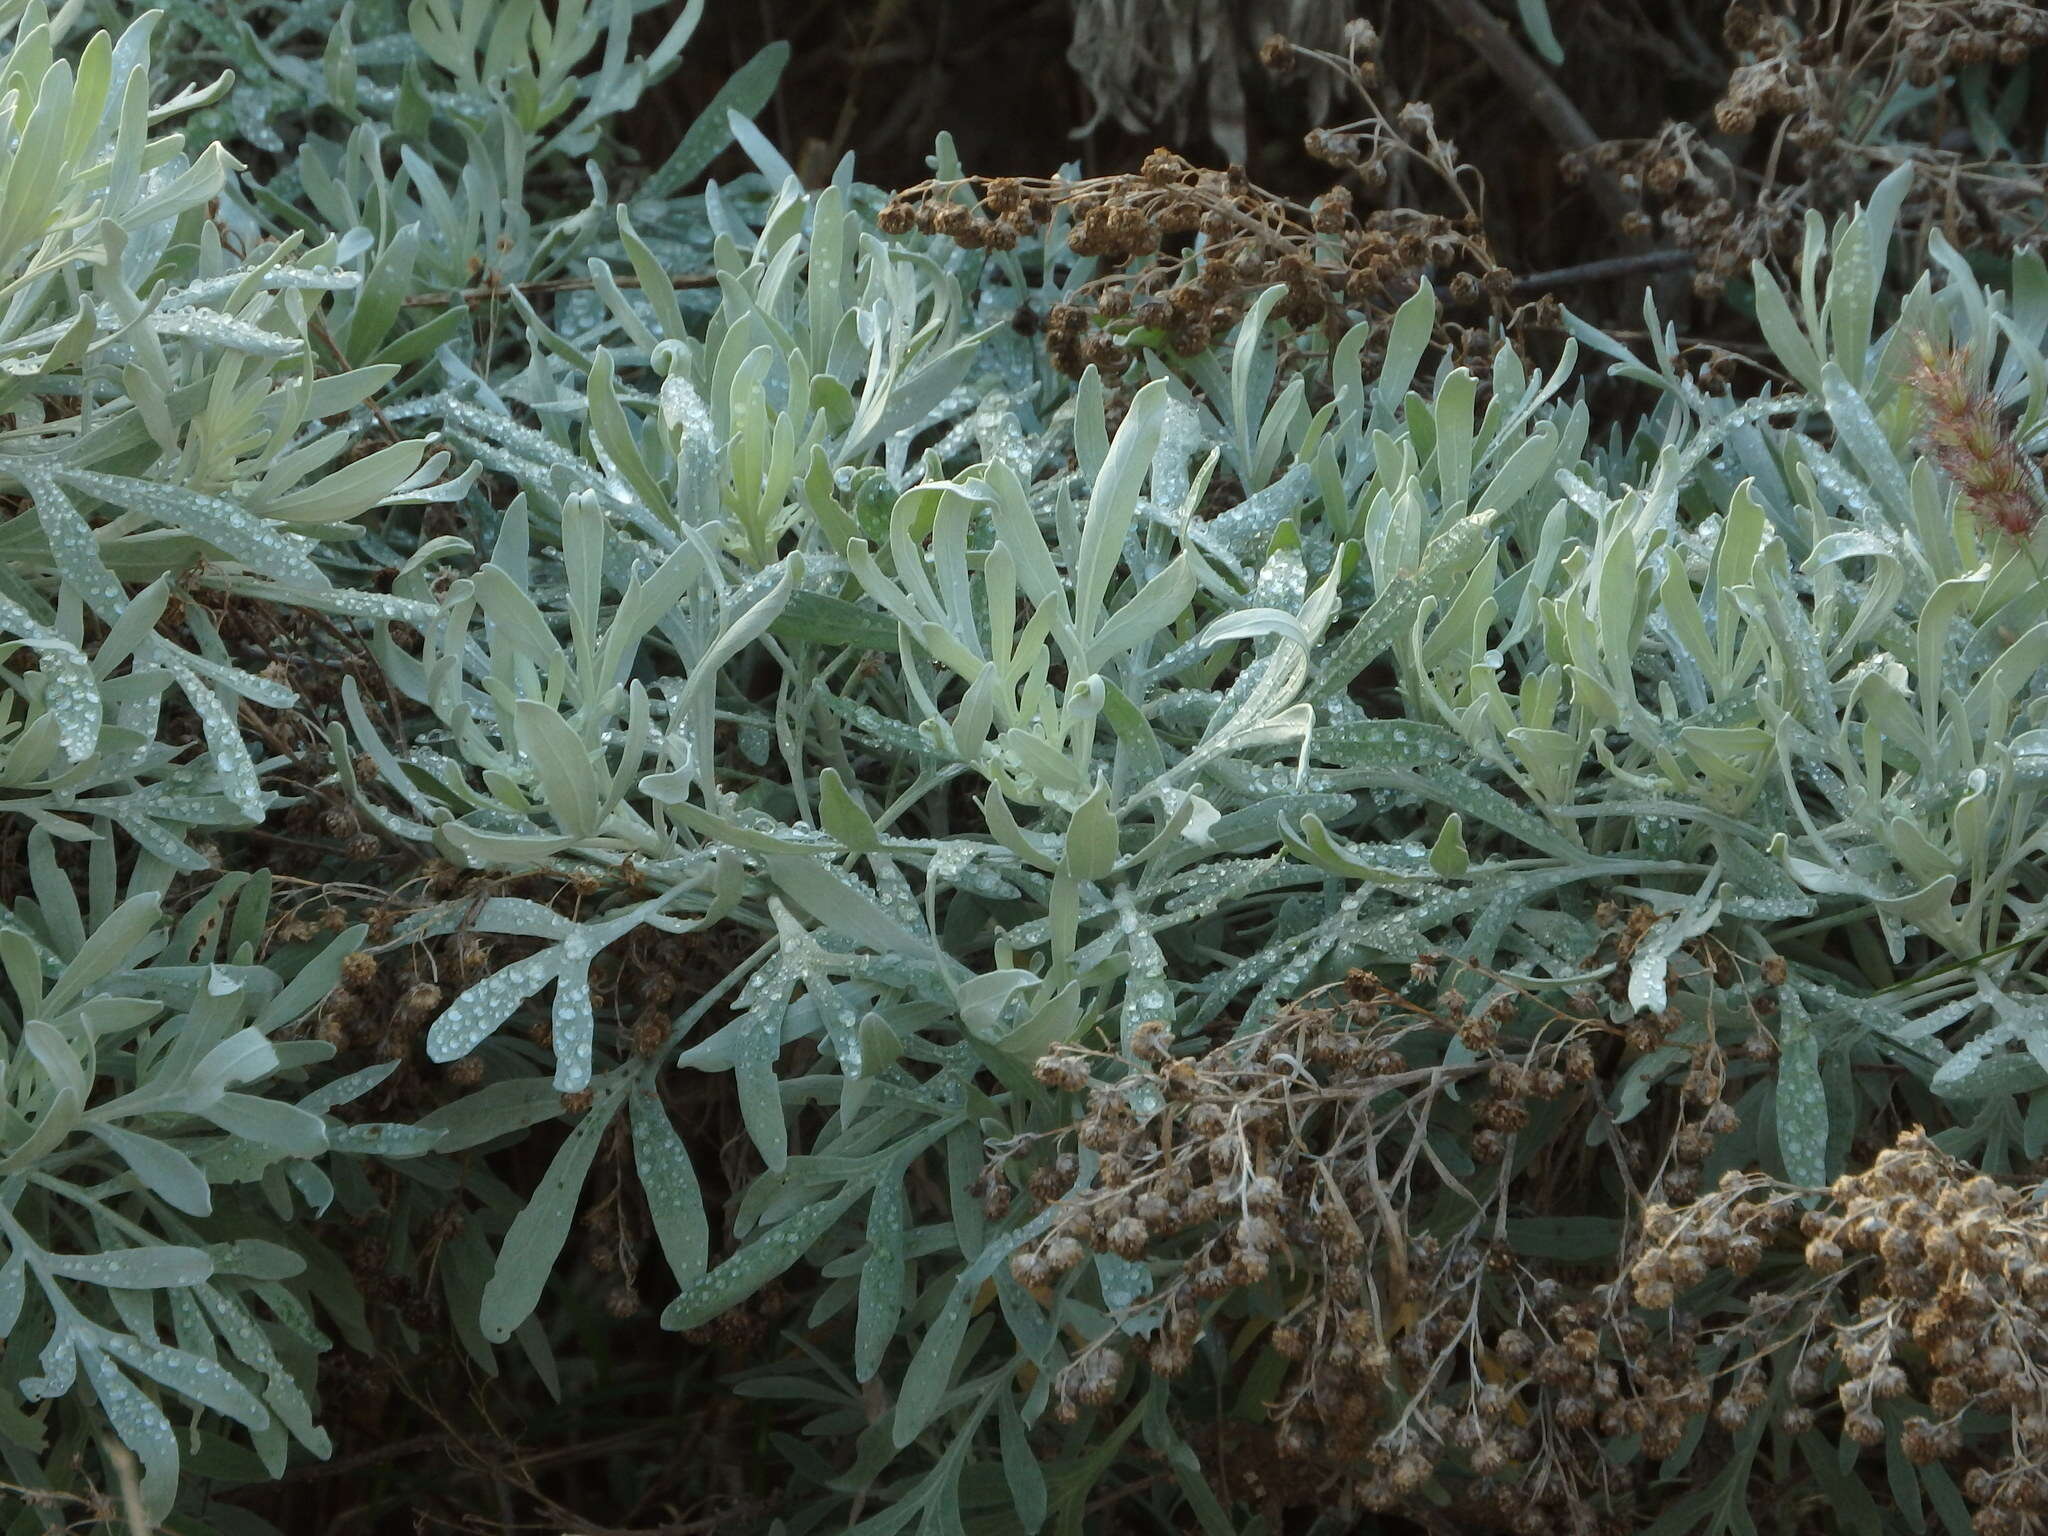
1288,1187
1689,189
1801,57
1920,1308
1181,250
1926,39
1295,1171
1796,131
1388,148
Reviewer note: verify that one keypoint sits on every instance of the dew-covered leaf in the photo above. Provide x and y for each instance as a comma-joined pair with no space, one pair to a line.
527,1256
475,1015
1802,1101
286,1127
163,1170
234,530
675,1204
204,1381
142,1427
763,1258
881,1277
139,1269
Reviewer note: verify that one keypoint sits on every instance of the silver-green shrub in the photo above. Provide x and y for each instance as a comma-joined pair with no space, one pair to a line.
786,597
1033,748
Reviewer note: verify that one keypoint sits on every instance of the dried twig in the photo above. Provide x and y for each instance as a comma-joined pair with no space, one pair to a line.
1542,95
122,1460
1600,271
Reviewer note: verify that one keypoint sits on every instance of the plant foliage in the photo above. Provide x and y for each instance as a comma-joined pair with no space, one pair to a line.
1276,901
